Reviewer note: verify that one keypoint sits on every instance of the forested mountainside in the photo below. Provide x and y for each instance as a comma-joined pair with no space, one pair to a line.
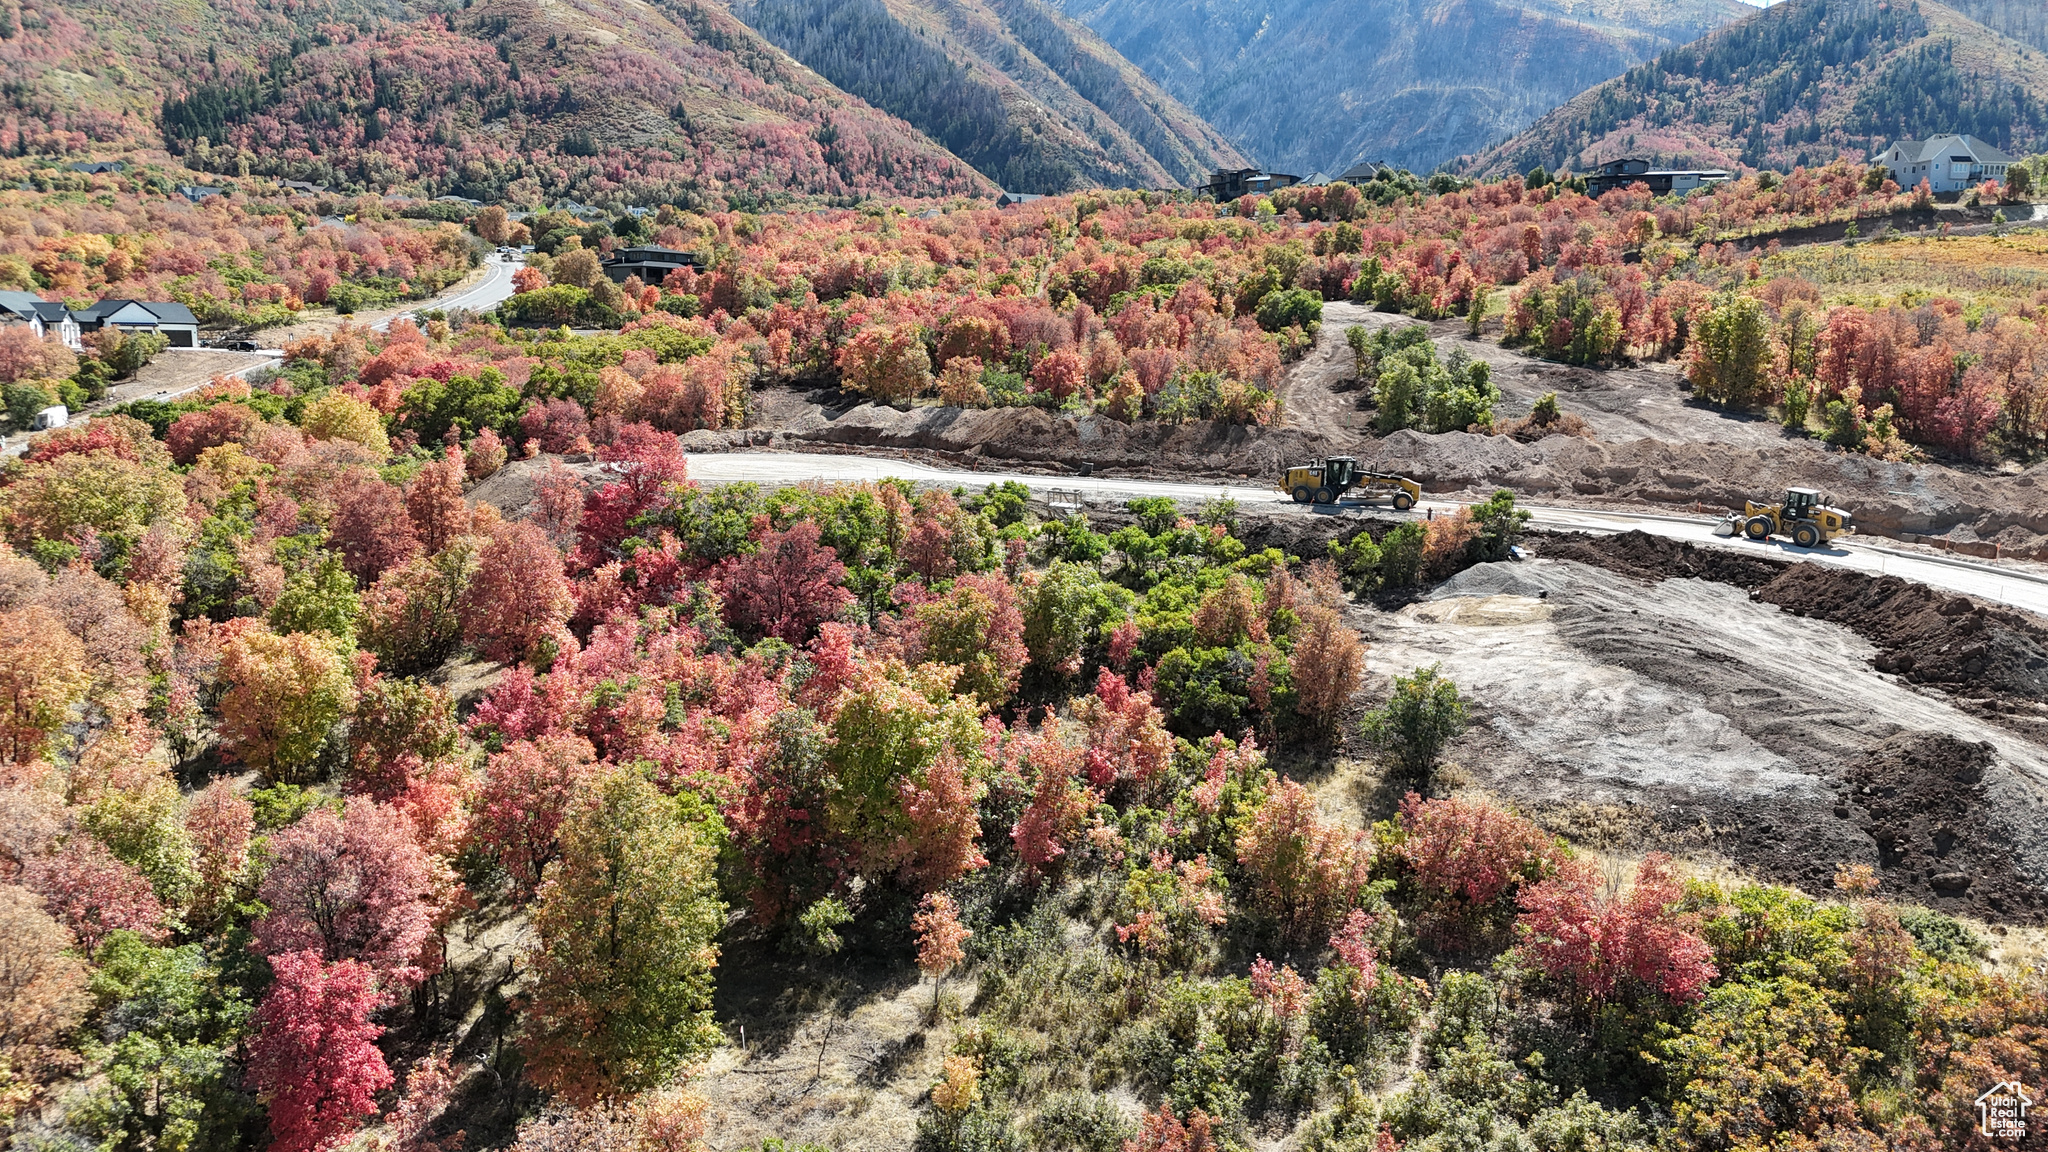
1032,100
1804,82
669,101
1314,85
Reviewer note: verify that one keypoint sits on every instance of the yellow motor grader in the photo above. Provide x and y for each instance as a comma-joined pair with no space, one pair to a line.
1337,476
1805,515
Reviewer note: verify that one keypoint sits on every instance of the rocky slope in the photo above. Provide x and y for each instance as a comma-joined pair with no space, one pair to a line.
1033,100
1313,85
1806,81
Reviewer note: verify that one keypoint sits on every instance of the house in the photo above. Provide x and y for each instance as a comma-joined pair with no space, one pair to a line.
650,262
47,317
1012,199
1947,163
96,167
1661,181
462,200
1227,185
304,187
174,322
197,192
1364,172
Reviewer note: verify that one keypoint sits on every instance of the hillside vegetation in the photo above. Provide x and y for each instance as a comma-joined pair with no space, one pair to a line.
1803,82
1308,85
595,99
1032,100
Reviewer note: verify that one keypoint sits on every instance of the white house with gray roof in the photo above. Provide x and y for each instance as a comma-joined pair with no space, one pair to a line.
1947,163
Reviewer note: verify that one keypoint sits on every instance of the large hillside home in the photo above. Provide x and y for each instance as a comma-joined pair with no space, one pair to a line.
1947,163
651,263
174,322
1661,181
1225,186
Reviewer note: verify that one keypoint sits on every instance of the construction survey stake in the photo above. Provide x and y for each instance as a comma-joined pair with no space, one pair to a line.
2002,1111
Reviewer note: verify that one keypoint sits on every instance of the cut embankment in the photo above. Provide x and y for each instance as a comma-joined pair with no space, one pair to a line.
1722,723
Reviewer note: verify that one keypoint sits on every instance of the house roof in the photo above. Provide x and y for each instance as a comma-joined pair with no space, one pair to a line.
166,312
95,166
20,303
1935,147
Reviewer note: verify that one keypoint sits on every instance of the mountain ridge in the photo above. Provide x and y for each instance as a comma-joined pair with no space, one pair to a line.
1315,85
1031,99
1800,83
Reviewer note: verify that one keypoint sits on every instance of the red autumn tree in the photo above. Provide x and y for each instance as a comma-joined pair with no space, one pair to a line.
1464,858
526,792
433,502
888,364
648,463
371,528
351,887
943,822
1328,663
42,674
195,432
1060,804
1306,873
94,893
787,587
939,935
220,823
1600,948
315,1058
399,726
1162,1131
978,627
518,597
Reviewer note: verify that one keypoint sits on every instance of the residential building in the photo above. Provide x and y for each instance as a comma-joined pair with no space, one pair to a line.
1365,171
1661,181
197,192
1948,163
650,262
1012,199
174,322
1226,185
96,167
49,318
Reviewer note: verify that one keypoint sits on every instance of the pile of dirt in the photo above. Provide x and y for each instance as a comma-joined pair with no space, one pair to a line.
1921,796
1993,660
1925,635
1648,557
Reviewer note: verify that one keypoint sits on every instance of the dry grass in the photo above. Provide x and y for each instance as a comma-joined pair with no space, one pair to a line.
2001,270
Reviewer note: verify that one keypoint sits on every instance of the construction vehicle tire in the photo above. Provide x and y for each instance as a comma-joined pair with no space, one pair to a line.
1323,496
1303,494
1806,535
1758,528
1403,501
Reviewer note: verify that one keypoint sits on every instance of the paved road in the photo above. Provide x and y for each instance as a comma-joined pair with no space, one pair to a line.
1995,582
494,289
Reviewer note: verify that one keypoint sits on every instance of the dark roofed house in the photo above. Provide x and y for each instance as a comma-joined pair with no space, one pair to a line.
197,192
96,167
47,317
1364,172
303,186
1012,199
1226,185
650,262
173,321
1634,170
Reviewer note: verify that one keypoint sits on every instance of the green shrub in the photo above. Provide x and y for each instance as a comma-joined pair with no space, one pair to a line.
1424,714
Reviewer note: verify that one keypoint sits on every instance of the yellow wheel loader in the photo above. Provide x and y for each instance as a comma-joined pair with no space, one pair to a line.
1337,476
1805,515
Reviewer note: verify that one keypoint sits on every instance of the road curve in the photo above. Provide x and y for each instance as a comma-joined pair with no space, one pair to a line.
494,289
1992,582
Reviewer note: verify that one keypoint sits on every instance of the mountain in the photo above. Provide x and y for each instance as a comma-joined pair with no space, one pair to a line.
662,100
1804,82
1033,100
1315,85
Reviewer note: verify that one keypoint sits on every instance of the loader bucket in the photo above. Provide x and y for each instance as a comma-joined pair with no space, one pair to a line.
1728,526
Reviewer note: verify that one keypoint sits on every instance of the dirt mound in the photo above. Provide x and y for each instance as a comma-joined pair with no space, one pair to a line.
1925,635
1921,796
1648,557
